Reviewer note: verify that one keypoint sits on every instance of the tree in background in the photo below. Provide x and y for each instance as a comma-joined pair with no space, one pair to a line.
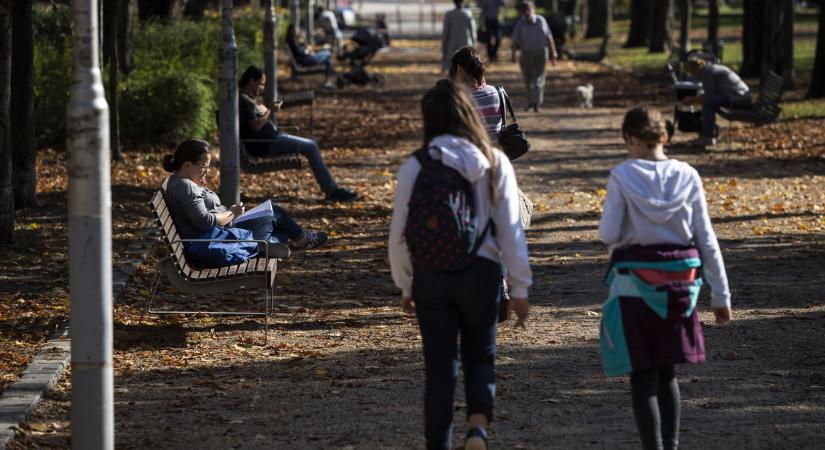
753,12
684,25
661,32
111,15
6,191
640,23
599,14
125,29
817,87
21,108
713,25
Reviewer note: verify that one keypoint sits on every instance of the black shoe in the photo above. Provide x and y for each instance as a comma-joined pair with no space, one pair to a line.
342,195
311,240
476,439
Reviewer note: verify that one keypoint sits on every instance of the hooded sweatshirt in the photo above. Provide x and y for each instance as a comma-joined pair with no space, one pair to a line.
508,246
663,202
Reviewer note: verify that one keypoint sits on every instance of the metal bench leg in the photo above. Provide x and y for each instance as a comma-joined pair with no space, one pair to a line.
151,296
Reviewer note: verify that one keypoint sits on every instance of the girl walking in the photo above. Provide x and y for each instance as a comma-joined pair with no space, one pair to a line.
460,300
658,232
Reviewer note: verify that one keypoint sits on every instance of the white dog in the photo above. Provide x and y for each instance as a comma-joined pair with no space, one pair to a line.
584,95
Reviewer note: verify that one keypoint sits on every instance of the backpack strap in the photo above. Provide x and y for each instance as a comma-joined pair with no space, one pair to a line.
480,237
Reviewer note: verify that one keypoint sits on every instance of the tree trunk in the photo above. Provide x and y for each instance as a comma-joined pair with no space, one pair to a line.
775,21
21,109
684,26
817,88
6,190
786,56
599,13
194,8
112,8
752,49
640,23
270,52
713,22
661,37
126,13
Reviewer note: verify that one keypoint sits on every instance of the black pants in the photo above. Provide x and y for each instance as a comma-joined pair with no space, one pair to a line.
493,38
656,407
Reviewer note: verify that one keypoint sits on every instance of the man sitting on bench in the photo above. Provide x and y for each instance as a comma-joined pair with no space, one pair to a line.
306,57
255,124
722,88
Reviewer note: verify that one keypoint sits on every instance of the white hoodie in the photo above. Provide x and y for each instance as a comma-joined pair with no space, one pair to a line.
508,246
663,202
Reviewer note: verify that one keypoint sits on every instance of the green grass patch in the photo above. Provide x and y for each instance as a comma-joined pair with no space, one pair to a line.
814,108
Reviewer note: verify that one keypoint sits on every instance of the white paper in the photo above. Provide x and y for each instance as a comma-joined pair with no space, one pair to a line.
262,210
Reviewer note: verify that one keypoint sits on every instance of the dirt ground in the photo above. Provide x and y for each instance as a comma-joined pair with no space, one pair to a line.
342,367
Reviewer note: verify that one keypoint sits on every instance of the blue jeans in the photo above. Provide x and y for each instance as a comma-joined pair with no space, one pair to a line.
493,37
449,304
322,57
279,228
286,143
711,105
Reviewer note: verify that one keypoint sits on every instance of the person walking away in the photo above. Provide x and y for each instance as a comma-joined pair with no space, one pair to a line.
658,232
721,87
467,69
459,30
447,261
532,37
256,125
490,12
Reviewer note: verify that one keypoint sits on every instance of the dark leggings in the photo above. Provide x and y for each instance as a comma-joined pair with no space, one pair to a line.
656,406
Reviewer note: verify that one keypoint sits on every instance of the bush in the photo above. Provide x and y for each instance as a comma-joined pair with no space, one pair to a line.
165,108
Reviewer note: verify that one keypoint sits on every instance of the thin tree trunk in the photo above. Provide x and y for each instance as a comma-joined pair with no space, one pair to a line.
786,52
713,22
640,23
661,37
817,88
6,190
114,129
752,49
126,12
684,25
24,153
598,18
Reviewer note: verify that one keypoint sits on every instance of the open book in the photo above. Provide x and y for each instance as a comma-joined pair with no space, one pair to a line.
262,210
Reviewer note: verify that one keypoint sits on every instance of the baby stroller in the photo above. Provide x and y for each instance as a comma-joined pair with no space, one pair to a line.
367,42
687,118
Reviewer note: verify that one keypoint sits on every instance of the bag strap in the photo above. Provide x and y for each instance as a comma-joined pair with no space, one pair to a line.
480,238
509,104
501,105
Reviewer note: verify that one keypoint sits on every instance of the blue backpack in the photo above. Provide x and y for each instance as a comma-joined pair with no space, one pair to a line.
442,231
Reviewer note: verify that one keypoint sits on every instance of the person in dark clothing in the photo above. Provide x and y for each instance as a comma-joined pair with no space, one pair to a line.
254,121
306,57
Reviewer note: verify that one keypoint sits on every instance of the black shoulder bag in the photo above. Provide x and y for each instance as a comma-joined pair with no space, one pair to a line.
511,137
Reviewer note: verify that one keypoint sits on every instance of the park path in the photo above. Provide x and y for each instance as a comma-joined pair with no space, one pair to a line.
344,369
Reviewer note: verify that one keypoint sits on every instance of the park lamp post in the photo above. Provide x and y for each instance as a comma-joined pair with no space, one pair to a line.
90,240
228,111
270,54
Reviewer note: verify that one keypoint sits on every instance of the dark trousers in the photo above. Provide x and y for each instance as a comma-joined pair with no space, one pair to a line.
711,105
286,143
449,305
279,228
656,405
493,37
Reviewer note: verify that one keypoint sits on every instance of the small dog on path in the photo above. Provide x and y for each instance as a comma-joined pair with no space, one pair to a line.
584,96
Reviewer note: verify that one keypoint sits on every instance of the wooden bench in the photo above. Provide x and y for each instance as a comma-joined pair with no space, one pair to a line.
262,164
298,69
766,109
254,273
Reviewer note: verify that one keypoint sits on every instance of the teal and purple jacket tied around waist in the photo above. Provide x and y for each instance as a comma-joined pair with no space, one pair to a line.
649,318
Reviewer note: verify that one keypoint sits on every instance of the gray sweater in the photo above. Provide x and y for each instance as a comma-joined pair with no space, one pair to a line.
459,31
192,206
719,80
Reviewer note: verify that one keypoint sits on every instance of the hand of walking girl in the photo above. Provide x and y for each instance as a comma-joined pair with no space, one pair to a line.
407,305
522,310
722,315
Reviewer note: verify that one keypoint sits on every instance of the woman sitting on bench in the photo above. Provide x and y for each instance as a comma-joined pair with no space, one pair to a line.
196,210
306,57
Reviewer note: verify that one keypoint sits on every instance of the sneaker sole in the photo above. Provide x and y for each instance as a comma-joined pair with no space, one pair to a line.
475,443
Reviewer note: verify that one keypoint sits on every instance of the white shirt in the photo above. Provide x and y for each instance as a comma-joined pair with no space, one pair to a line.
508,246
663,202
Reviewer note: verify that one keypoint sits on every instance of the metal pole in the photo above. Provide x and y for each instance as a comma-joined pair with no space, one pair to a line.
398,17
311,21
228,100
420,16
270,54
432,18
90,240
294,13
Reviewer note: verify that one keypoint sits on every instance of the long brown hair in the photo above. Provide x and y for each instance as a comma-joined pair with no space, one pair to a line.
447,109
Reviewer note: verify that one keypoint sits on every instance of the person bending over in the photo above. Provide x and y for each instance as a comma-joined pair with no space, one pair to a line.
722,88
255,123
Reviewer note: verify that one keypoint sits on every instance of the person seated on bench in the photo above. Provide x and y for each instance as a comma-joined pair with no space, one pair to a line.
307,58
196,210
722,88
254,121
328,24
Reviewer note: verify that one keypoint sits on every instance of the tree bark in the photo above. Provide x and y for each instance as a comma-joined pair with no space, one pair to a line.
817,87
713,22
752,49
21,109
126,13
786,53
599,13
6,190
661,37
684,25
640,23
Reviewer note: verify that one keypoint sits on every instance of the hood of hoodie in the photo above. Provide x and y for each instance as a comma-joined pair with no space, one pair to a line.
659,189
459,154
